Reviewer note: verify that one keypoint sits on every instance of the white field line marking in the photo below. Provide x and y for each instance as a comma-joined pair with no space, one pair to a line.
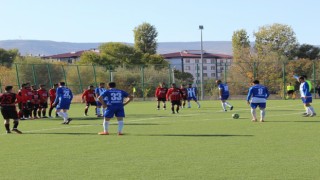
181,115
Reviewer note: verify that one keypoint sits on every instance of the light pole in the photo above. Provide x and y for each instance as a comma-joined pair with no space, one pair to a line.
201,55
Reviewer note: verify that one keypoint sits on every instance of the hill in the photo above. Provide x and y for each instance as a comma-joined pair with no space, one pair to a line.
40,47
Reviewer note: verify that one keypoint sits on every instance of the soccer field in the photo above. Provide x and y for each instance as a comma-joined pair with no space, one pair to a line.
203,143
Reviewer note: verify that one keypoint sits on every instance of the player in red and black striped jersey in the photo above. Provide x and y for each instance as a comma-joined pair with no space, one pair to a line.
43,94
88,97
160,95
8,102
52,95
184,94
22,102
174,95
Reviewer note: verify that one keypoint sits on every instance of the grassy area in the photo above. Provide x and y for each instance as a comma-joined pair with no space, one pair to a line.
203,143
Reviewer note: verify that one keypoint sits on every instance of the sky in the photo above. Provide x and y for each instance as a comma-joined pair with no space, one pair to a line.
175,20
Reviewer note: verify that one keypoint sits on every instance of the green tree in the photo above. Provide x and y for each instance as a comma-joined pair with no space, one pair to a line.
7,57
90,57
277,38
307,51
145,38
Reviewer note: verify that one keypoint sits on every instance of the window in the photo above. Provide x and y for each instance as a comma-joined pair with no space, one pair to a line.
204,60
205,75
187,60
196,60
213,61
213,74
213,68
187,68
204,67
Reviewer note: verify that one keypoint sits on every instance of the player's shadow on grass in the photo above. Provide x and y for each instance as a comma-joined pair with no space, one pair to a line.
141,124
200,135
64,133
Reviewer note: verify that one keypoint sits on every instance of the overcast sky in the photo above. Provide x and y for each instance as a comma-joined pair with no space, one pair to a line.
175,20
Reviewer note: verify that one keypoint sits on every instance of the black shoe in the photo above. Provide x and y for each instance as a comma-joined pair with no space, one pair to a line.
231,108
8,131
44,116
69,120
173,112
64,123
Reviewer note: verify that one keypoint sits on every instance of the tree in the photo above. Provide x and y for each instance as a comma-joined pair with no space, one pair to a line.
90,57
183,76
145,38
276,38
307,51
7,56
119,54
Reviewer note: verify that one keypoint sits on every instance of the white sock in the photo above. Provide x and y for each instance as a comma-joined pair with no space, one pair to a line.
253,113
226,103
307,110
223,106
60,114
98,111
262,114
311,110
198,103
189,104
105,126
65,116
120,126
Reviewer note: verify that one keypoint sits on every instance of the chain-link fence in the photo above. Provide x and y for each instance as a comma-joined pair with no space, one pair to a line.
142,80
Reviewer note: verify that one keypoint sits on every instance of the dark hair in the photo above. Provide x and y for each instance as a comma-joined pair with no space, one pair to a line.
302,77
8,88
256,81
62,83
112,84
102,83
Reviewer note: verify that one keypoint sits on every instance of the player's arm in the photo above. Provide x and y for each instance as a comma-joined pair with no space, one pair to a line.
84,94
249,96
129,99
156,93
55,102
100,98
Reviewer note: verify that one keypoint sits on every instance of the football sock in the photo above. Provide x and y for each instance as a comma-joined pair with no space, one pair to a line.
307,110
164,105
189,104
198,103
177,109
262,113
50,111
226,103
98,111
43,113
311,109
7,126
172,108
120,125
65,116
223,106
15,124
253,113
39,113
60,114
105,126
86,111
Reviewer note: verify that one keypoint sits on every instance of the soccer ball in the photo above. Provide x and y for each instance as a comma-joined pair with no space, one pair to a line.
235,116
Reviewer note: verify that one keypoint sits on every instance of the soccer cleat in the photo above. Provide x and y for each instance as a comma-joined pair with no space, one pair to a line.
103,133
120,134
85,115
231,108
50,117
261,120
64,122
22,118
177,112
173,112
304,113
45,117
16,131
68,120
254,120
8,131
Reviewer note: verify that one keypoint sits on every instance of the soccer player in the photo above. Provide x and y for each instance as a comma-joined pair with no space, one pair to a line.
116,100
43,94
174,95
192,95
290,92
184,95
35,102
257,96
29,105
306,97
22,102
8,109
223,95
160,95
52,95
89,98
310,88
62,102
98,91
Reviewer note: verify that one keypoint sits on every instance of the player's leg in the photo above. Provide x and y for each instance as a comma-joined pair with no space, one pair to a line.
120,115
223,105
189,104
44,110
86,109
15,126
108,114
98,110
196,100
39,111
178,106
7,125
158,104
262,107
253,111
164,104
35,110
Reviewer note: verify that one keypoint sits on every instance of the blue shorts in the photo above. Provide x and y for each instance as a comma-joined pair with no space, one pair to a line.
307,100
192,98
63,106
224,97
261,105
98,103
114,111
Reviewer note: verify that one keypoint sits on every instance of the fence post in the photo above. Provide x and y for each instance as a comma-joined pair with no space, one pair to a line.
110,74
94,74
34,75
142,82
170,77
49,74
64,74
314,78
81,87
225,72
284,79
17,73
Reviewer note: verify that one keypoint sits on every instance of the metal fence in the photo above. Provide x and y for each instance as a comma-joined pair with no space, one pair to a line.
142,80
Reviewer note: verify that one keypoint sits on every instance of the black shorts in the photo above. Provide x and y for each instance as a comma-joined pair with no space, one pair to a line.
29,105
91,103
43,105
162,99
290,91
35,106
178,103
21,106
9,112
